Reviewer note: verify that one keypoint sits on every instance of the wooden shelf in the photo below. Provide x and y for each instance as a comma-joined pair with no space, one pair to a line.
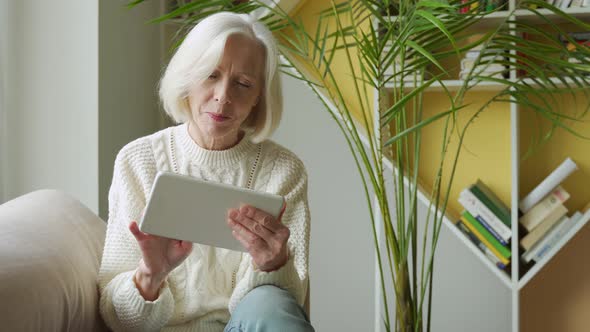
453,85
581,13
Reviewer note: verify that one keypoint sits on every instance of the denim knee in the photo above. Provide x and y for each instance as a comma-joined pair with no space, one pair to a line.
268,308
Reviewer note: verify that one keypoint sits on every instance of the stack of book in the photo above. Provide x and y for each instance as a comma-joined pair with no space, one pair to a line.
481,6
486,222
544,216
564,4
579,38
482,68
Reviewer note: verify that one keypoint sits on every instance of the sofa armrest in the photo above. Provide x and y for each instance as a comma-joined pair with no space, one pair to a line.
50,251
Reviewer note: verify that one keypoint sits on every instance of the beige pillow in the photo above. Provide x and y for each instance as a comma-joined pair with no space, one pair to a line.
50,251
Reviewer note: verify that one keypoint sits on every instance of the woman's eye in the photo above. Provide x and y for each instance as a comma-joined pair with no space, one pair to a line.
243,84
212,76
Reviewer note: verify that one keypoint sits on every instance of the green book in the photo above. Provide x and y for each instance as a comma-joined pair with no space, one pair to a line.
487,235
489,199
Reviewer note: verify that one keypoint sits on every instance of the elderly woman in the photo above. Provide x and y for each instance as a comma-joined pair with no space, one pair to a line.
223,86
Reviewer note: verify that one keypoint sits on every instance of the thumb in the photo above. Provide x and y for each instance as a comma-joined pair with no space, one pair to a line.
139,235
282,210
186,245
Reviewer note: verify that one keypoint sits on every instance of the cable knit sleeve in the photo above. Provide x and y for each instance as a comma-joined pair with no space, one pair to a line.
121,305
289,179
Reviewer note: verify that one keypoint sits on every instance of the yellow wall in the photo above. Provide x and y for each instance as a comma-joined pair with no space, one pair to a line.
485,153
308,13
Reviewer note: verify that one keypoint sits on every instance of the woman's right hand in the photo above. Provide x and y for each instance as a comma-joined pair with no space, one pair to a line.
160,256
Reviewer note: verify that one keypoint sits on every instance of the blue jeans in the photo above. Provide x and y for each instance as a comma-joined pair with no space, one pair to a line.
268,308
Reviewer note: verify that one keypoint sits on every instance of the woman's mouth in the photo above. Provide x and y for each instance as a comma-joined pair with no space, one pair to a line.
217,117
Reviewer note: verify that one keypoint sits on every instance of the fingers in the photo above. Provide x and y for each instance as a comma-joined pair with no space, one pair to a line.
249,239
241,239
250,224
261,217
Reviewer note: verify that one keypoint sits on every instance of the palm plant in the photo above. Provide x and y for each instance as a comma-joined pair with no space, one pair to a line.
398,49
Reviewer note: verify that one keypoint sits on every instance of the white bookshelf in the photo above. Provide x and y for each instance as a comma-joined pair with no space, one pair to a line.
452,85
504,278
512,281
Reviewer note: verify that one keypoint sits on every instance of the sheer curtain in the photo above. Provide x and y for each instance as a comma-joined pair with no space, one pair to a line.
4,35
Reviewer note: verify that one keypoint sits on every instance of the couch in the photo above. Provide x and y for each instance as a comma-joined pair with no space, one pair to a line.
50,251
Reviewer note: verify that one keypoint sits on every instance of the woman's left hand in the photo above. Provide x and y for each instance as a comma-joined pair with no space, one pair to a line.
264,236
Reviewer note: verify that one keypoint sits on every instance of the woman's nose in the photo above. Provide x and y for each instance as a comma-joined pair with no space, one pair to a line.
222,93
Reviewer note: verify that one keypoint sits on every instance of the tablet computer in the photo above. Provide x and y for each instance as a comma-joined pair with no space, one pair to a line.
185,208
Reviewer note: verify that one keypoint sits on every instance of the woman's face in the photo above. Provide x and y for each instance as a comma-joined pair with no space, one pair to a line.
223,102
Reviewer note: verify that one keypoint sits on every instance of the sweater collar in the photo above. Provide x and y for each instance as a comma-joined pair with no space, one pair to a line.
197,154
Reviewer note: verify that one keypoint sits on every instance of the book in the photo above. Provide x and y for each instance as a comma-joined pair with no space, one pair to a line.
556,233
553,180
565,4
539,212
576,3
580,35
480,212
487,196
499,262
581,220
484,236
544,226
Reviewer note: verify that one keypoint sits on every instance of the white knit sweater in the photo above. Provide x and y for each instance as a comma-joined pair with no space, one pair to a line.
200,294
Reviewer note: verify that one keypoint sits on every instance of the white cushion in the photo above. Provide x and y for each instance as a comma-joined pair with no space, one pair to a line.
50,251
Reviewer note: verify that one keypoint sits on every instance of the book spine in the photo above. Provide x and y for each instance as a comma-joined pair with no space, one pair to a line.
542,253
490,204
498,249
482,247
551,220
538,213
553,180
478,209
491,230
494,198
556,236
580,35
547,240
576,3
565,4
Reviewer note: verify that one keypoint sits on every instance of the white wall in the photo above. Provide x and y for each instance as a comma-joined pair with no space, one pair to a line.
129,70
51,91
5,32
341,252
79,82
